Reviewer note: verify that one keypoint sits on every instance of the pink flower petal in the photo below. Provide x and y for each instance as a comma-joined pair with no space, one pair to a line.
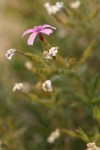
31,38
27,31
48,26
46,31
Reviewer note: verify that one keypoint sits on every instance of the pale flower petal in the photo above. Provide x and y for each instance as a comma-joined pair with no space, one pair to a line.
53,136
28,31
75,4
46,31
48,26
31,38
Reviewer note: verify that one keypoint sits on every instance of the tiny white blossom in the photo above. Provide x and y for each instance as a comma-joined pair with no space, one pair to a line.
92,146
17,86
10,53
75,5
53,9
53,136
52,53
47,86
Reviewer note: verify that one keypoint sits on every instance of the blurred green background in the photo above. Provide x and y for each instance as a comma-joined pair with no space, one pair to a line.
25,125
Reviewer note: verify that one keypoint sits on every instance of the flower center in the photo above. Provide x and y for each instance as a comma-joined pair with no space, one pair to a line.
38,28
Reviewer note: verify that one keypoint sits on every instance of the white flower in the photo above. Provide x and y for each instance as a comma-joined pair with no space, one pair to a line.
53,136
60,5
52,9
17,86
10,53
46,86
52,53
92,146
75,5
47,4
24,87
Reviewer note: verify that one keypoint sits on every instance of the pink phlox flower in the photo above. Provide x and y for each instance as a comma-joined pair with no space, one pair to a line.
38,30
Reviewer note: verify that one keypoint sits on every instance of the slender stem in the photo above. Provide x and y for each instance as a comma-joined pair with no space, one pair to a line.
20,53
59,20
41,37
66,12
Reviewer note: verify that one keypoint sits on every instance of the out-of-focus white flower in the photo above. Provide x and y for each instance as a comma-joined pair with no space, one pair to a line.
60,5
24,87
53,136
62,33
28,65
53,9
75,5
52,53
10,53
17,86
92,146
47,4
47,86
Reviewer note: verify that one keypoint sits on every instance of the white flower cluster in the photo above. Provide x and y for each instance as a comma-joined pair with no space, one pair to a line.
47,86
10,53
75,4
52,53
25,87
92,146
53,136
53,9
